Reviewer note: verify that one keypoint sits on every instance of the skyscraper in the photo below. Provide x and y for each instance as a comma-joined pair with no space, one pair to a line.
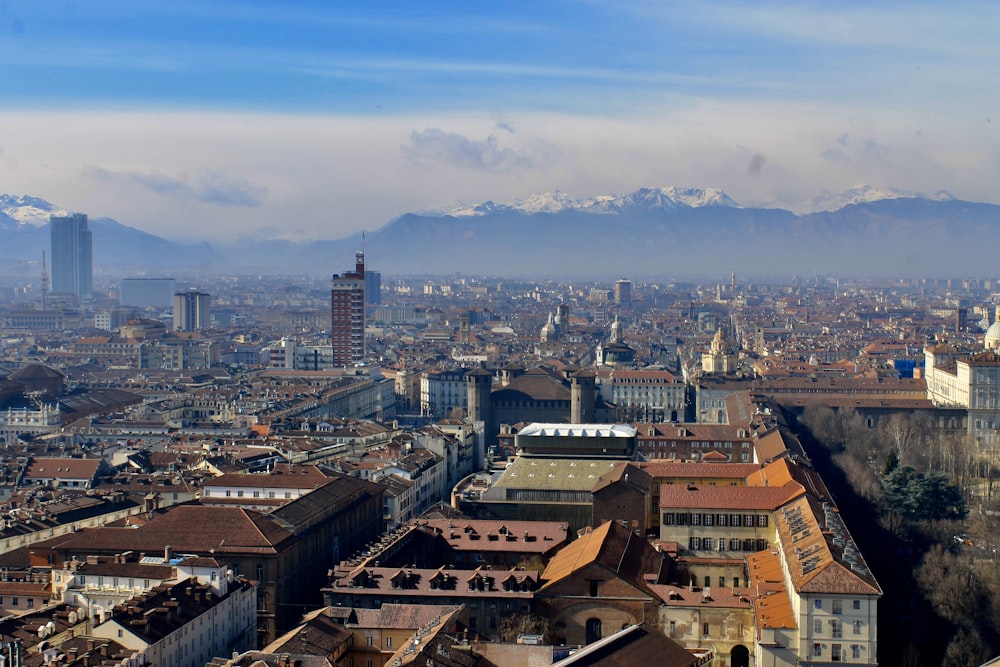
347,315
72,254
191,311
623,293
373,288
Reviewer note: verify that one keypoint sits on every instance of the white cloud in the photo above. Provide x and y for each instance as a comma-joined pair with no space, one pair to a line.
211,176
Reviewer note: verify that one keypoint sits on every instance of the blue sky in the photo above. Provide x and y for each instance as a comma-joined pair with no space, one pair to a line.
318,119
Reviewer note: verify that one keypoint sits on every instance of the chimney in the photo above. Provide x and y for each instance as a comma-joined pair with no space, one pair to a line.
168,553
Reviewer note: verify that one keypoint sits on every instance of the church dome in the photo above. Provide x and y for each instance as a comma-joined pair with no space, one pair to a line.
992,340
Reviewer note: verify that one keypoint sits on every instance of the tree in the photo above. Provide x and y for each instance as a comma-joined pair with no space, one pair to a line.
514,625
921,497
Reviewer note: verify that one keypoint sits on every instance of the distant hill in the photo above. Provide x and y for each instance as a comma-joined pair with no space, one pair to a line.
651,234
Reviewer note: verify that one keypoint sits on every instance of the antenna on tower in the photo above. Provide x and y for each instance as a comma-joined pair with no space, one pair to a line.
45,283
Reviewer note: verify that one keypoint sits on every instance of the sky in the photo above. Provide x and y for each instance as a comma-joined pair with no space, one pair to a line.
305,120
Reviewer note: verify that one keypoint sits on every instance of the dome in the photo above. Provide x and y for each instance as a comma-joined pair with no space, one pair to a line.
992,340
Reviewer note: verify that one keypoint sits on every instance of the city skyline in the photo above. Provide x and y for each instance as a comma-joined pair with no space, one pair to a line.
302,122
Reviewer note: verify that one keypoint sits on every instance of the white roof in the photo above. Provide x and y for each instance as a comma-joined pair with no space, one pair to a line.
584,430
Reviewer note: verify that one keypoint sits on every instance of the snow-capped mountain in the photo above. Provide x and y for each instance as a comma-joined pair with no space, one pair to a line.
863,194
25,210
558,202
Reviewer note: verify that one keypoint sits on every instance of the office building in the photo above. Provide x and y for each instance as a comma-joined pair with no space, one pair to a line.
347,315
72,254
191,311
373,287
147,292
623,293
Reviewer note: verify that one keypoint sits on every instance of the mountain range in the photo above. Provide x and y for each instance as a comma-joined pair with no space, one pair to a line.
652,233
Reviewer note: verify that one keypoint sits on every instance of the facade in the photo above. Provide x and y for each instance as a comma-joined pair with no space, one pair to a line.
443,391
147,292
645,395
347,315
185,624
72,255
192,311
623,293
373,287
970,382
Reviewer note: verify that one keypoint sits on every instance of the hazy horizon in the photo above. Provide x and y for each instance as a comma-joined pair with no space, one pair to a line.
300,121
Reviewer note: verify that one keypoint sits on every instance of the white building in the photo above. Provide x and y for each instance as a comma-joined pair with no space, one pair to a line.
186,624
970,382
441,391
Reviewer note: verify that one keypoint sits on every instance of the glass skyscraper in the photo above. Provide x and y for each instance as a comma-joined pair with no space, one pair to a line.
72,255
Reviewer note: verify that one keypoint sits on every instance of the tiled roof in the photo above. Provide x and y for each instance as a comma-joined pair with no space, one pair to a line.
816,562
685,470
611,545
772,607
497,535
689,496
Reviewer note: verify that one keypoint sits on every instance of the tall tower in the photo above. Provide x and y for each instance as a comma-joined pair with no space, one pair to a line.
623,293
347,314
583,393
72,254
479,384
191,311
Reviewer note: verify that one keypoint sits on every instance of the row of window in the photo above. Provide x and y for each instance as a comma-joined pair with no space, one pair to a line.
256,494
837,652
15,602
836,605
712,519
734,544
837,627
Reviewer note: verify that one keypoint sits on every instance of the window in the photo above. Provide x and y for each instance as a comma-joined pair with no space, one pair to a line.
818,603
722,520
13,602
736,582
370,640
835,653
857,627
855,651
818,627
704,629
696,519
668,518
388,642
817,650
708,581
31,602
837,606
709,519
594,630
593,588
734,520
722,582
673,628
837,629
762,521
694,543
856,604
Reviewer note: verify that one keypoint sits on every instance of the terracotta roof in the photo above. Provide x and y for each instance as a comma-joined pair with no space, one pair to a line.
817,564
772,608
612,546
62,468
498,535
689,496
661,470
